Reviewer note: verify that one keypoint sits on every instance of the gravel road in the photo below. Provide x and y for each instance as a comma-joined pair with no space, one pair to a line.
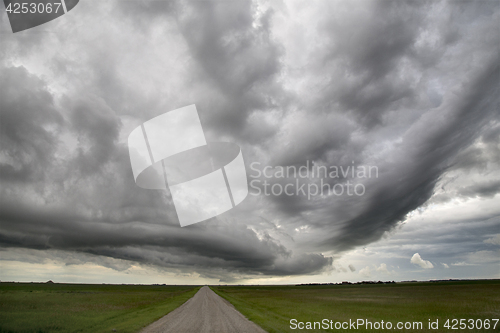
204,312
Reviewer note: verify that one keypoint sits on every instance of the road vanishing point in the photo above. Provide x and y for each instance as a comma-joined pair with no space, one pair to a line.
204,312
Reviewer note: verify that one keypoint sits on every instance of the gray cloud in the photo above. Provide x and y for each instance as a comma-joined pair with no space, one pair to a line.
237,249
97,128
412,182
370,54
237,61
411,88
28,127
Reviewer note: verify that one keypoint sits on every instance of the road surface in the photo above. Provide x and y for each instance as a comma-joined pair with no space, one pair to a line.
204,312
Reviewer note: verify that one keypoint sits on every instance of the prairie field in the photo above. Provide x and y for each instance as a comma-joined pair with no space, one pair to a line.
43,307
272,307
40,307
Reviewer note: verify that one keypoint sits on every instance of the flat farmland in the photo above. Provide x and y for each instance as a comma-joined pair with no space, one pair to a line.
272,307
40,307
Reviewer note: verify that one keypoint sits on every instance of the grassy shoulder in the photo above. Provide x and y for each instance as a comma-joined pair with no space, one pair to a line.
36,307
272,307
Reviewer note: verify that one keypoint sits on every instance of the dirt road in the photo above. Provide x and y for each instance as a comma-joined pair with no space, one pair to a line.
204,312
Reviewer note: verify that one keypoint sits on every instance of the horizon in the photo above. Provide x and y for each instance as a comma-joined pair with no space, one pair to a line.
224,284
406,92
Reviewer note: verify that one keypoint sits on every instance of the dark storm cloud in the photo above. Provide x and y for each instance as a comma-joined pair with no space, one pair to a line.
371,84
97,127
484,154
29,124
143,12
229,246
93,205
369,53
239,61
388,83
402,193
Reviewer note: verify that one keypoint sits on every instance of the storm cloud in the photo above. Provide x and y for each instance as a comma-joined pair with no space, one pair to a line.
411,88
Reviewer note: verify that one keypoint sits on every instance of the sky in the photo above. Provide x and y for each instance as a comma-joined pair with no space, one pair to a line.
397,100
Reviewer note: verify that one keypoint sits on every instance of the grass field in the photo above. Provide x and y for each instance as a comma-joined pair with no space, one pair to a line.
37,307
272,307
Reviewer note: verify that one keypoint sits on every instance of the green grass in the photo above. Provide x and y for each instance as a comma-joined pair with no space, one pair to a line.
272,307
37,307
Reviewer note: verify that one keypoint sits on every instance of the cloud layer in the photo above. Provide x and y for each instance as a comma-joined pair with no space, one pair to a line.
411,88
